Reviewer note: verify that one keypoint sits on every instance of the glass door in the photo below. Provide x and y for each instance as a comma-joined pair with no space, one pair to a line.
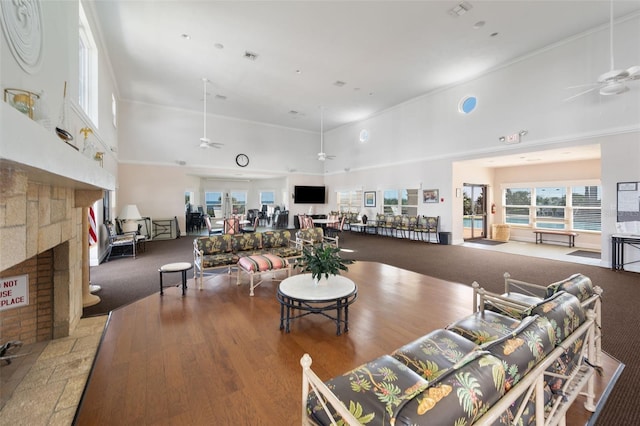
474,211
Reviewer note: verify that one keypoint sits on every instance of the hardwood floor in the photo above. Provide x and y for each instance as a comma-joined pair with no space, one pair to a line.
217,356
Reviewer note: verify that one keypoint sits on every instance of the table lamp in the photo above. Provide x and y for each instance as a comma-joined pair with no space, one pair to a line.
129,215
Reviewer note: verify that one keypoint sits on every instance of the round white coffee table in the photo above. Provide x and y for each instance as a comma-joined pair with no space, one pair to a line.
301,293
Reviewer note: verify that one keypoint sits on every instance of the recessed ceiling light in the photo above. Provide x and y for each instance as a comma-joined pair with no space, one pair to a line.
493,34
339,83
250,55
478,25
298,71
221,97
186,36
219,46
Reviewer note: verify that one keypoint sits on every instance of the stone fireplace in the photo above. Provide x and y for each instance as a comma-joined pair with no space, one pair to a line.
45,192
41,237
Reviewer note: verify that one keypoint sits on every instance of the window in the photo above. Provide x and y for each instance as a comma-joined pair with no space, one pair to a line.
238,202
517,204
401,201
587,208
410,202
349,201
555,207
550,208
267,197
213,202
88,69
390,202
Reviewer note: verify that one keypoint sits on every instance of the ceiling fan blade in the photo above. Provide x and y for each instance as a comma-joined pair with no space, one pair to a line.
584,92
634,72
580,86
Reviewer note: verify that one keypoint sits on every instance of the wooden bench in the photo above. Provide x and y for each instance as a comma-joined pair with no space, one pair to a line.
540,232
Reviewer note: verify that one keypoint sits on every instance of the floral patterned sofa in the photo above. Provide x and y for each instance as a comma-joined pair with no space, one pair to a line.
224,251
488,368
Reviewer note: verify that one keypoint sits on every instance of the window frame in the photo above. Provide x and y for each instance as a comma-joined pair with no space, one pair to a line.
567,220
87,68
349,201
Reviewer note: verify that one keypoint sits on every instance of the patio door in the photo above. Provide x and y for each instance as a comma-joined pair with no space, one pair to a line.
474,211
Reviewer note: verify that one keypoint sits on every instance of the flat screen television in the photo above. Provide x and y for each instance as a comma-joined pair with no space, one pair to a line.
309,194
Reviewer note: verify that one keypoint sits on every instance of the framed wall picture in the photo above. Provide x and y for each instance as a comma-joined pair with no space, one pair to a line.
369,198
430,196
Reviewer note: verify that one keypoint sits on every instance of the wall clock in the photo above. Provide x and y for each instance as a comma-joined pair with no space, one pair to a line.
242,160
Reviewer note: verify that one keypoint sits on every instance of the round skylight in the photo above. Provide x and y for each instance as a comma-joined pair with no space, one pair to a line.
467,104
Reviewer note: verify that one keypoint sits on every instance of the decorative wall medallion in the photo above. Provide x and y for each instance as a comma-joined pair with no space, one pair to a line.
22,27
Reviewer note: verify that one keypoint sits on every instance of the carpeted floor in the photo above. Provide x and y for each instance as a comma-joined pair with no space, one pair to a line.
125,280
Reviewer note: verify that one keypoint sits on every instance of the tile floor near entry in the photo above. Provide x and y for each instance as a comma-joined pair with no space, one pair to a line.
47,390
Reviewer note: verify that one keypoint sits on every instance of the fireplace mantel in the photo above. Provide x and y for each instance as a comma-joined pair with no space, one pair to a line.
28,146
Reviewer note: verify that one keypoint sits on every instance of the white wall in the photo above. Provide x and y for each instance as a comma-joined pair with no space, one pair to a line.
59,66
620,163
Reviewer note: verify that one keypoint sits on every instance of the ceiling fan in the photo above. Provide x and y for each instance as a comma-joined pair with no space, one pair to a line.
205,142
322,156
612,82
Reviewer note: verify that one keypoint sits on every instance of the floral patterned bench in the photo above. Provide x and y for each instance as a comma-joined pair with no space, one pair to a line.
224,251
488,368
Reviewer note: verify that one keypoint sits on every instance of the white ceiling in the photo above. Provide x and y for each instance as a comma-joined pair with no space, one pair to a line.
385,52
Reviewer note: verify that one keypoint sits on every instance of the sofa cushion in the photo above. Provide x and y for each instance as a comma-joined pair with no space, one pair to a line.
251,241
286,252
215,244
523,348
220,259
459,397
271,239
564,312
433,354
263,262
484,327
314,235
372,392
577,284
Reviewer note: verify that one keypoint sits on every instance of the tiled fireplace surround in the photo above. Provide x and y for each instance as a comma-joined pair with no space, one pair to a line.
42,230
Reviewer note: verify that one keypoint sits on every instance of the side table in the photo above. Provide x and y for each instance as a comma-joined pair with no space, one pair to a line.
175,267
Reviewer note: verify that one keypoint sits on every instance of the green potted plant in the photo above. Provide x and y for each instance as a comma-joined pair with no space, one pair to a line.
322,260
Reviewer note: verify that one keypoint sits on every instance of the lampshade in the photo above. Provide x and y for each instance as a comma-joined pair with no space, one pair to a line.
130,212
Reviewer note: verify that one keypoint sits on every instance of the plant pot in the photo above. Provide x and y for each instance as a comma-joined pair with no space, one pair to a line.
320,281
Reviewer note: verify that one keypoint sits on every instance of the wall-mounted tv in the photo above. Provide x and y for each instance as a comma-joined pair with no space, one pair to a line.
309,194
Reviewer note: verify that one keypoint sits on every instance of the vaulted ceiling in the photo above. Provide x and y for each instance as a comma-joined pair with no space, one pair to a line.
278,62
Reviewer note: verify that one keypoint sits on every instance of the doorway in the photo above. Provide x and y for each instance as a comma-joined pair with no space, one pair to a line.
474,211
